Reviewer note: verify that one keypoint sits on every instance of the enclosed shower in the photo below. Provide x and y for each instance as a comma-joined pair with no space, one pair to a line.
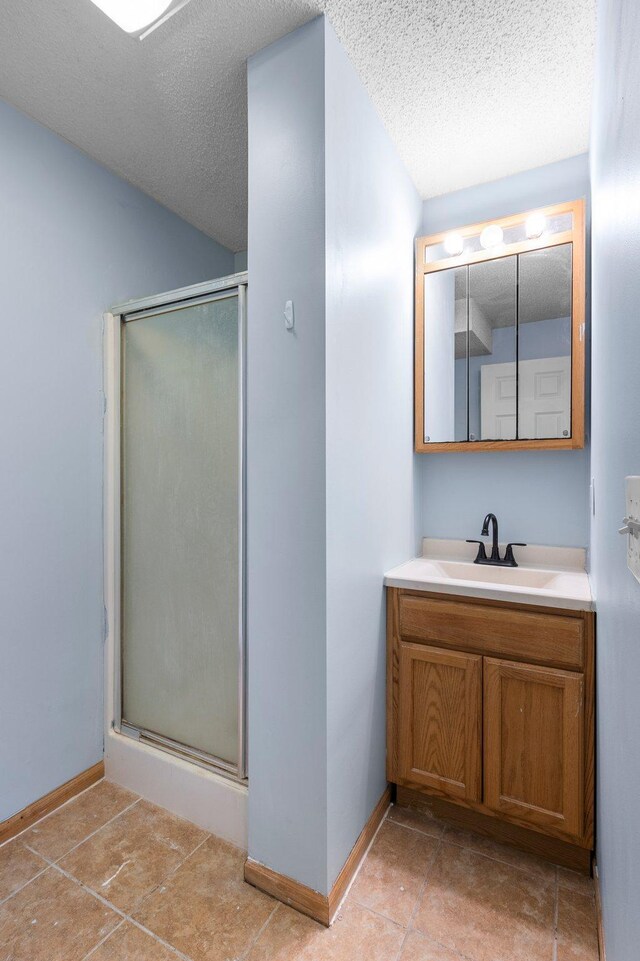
175,523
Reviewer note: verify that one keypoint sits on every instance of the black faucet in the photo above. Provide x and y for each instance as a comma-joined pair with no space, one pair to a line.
495,550
508,560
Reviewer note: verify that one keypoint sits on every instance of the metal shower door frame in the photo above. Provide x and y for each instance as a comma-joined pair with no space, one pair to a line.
114,323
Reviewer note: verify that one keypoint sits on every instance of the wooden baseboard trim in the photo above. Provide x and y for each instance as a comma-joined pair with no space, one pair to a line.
285,889
54,799
358,851
601,947
320,907
533,842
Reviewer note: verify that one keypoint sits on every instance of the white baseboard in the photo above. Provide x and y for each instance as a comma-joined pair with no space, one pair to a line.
214,803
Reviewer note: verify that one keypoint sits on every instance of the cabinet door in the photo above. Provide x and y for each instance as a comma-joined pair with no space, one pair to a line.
440,720
533,744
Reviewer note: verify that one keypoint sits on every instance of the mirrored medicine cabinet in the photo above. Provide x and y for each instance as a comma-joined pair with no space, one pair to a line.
500,335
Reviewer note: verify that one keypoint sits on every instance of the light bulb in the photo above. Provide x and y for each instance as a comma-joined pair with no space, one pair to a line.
453,244
535,225
139,17
491,236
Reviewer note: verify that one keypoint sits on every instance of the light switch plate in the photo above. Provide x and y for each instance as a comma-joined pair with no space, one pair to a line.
289,317
632,520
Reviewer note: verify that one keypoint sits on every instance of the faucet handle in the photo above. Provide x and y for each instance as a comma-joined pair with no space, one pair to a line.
482,554
508,554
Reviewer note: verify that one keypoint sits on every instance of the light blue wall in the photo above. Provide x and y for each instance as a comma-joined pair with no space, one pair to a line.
551,184
330,462
615,171
286,510
373,214
240,261
539,497
74,240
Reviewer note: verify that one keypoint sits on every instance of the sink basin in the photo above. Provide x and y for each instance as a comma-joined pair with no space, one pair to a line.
525,584
518,576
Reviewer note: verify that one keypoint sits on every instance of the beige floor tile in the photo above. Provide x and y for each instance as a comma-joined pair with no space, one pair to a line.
577,927
52,919
568,951
357,935
205,909
418,820
129,943
391,878
417,947
17,866
130,856
72,823
481,900
485,909
501,852
581,883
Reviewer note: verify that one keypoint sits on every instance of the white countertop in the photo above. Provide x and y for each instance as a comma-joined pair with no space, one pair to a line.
547,576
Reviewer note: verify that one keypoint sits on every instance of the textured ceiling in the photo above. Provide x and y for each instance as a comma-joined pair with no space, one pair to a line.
544,291
470,90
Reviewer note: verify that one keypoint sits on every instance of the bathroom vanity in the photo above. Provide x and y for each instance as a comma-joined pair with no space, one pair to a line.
490,695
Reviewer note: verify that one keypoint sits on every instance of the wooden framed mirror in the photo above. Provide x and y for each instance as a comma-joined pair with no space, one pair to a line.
500,334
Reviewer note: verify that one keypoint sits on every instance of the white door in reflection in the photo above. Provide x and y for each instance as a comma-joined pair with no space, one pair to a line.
498,393
544,399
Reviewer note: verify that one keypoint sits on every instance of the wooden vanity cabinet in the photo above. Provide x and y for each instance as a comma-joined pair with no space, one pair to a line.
534,745
440,720
490,707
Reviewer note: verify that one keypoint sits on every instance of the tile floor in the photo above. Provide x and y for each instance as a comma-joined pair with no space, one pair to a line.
113,878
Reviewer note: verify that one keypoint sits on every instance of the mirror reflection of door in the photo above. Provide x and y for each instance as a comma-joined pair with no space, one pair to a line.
541,280
503,327
499,334
493,349
544,338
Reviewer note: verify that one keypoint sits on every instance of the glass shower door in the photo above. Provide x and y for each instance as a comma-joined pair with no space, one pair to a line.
181,528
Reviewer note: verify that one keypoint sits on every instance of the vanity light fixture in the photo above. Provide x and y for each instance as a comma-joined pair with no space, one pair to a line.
491,236
453,244
139,18
535,226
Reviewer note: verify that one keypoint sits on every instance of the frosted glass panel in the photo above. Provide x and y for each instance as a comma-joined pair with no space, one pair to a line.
180,526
